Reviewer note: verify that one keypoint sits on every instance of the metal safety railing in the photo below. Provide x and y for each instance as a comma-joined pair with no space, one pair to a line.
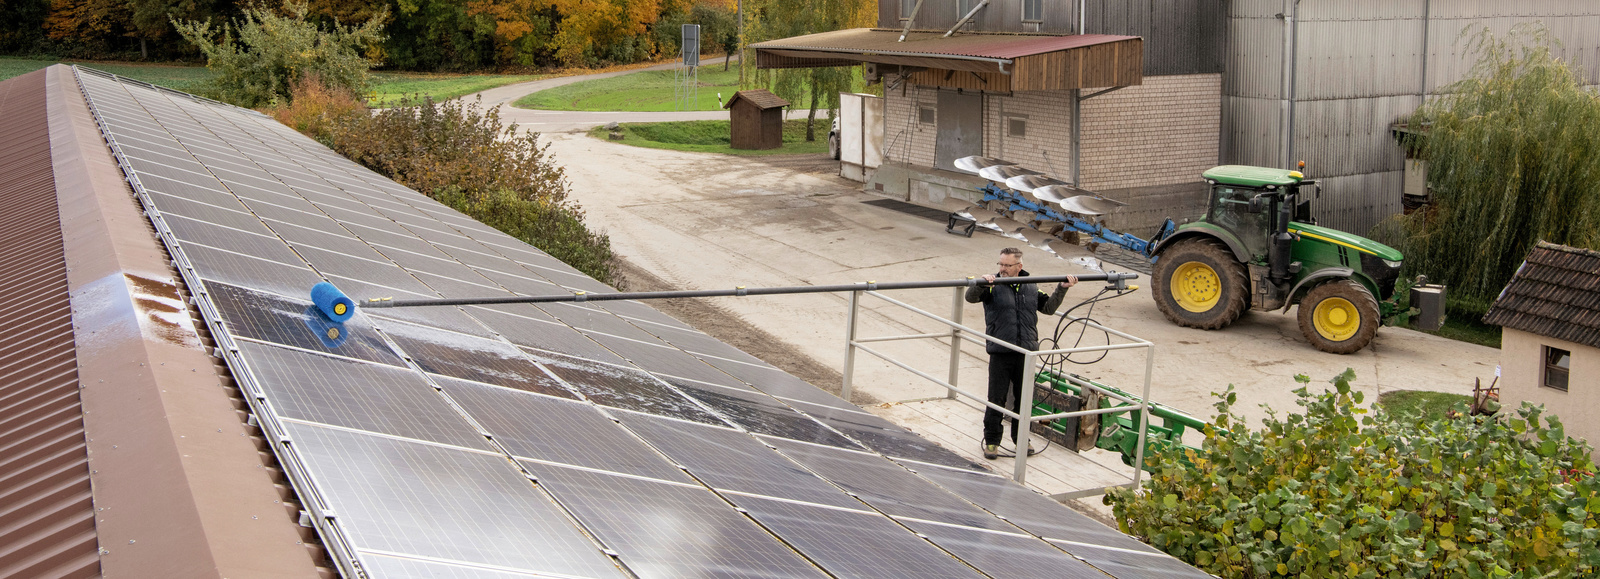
958,333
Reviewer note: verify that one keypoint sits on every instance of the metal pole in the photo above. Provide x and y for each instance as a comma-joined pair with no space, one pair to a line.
1024,423
850,346
739,291
1144,415
956,309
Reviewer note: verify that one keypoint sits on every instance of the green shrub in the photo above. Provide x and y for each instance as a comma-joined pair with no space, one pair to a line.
466,158
1328,494
273,51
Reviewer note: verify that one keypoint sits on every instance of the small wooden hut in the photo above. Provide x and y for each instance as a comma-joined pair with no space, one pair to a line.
756,119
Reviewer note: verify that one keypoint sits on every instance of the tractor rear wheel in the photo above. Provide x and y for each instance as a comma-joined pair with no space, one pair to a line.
1198,284
1340,317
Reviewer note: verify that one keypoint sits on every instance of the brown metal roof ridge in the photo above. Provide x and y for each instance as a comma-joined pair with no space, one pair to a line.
180,487
46,510
1555,293
998,48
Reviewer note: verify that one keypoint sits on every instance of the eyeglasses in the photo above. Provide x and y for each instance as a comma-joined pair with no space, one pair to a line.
1004,264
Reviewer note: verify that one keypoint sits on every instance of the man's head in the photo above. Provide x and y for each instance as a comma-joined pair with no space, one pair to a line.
1010,262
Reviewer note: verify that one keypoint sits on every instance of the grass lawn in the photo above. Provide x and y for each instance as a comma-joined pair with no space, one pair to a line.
386,87
650,90
712,137
1430,405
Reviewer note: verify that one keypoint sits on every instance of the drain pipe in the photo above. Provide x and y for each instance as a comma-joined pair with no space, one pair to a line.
1286,111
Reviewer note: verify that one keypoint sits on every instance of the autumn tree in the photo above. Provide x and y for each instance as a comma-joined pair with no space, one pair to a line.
588,26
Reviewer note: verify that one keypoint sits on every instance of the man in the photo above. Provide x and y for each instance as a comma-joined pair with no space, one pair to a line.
1010,313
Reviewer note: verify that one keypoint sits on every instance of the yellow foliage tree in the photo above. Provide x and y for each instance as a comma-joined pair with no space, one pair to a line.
587,23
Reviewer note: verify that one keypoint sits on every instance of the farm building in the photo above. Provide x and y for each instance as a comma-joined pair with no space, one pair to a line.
1549,315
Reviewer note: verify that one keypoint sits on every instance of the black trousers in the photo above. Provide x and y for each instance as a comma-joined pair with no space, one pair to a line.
1005,389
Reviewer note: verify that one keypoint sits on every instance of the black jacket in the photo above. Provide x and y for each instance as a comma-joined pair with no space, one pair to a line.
1011,312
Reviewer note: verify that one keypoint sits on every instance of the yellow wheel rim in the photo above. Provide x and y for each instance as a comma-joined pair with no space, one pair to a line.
1196,287
1336,319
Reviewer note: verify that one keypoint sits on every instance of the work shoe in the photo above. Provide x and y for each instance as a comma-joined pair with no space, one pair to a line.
991,451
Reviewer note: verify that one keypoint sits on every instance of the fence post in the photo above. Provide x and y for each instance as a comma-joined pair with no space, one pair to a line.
955,341
1024,425
850,345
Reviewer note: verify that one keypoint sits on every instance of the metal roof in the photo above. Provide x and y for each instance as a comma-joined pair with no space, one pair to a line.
983,47
1555,293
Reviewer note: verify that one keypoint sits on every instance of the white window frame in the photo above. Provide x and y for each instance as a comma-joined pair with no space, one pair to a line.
1545,367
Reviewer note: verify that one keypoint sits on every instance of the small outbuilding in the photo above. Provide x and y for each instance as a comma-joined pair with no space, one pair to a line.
756,120
1549,315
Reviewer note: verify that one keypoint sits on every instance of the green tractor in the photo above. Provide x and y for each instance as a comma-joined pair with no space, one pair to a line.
1255,249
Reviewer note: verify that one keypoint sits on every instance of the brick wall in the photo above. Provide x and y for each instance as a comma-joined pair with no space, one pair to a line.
1163,132
904,139
1047,142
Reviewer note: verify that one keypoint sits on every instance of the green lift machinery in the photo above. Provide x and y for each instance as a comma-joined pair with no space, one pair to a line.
1057,392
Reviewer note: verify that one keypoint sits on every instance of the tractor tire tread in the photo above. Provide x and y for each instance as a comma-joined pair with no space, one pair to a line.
1352,291
1235,284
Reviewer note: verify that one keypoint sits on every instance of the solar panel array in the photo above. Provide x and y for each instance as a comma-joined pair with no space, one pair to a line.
558,440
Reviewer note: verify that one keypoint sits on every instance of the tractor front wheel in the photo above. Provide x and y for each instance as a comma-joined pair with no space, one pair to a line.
1198,284
1340,317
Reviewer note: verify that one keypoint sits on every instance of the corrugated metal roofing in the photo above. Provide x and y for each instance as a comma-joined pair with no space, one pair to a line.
47,525
995,47
1556,294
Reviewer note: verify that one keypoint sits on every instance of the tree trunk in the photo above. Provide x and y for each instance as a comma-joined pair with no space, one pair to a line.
811,118
144,53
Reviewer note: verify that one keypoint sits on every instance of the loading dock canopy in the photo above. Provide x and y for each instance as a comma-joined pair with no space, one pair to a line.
1025,61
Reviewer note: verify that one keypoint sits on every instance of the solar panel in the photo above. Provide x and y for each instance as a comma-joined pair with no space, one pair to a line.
400,477
558,430
360,395
732,460
664,530
854,543
404,497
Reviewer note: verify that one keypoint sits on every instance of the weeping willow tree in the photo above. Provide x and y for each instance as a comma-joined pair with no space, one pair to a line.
1513,155
820,87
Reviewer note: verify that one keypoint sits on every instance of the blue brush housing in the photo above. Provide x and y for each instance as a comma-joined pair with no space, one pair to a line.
333,303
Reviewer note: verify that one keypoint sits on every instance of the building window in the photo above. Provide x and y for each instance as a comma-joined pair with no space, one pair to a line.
1016,126
905,8
1032,10
925,116
1557,366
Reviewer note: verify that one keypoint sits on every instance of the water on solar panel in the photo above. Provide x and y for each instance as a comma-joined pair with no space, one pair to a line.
771,418
271,318
383,273
446,317
621,387
360,395
1007,555
412,498
659,358
669,530
853,544
888,487
557,430
735,461
470,358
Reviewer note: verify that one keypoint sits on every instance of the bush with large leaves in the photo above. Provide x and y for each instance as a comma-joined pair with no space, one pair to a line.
1334,492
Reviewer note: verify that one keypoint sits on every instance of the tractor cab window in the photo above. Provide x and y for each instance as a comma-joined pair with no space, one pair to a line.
1230,209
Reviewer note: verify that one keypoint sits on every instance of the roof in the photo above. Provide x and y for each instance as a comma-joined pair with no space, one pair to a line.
1036,61
760,97
1555,293
548,439
106,360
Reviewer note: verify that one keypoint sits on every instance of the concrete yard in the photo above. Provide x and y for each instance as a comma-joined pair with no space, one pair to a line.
697,221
